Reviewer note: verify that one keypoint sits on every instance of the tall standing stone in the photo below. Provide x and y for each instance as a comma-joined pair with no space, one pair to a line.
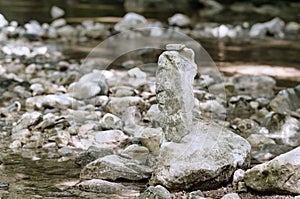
195,154
175,77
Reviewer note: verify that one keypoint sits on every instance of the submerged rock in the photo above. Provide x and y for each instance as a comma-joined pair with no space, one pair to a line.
114,167
280,175
101,186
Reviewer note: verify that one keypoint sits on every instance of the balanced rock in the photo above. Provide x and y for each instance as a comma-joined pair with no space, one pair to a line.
195,154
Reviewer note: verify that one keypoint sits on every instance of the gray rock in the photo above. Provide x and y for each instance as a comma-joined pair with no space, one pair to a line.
213,108
174,78
196,195
58,23
157,192
101,186
258,140
153,114
254,86
34,28
292,27
95,31
288,131
109,137
114,167
136,152
122,91
15,144
274,27
258,30
286,100
110,121
67,32
180,20
151,138
280,175
137,73
118,105
56,12
89,86
195,154
37,89
131,20
3,21
54,101
22,135
27,120
270,151
238,176
177,47
245,127
63,138
92,154
203,160
231,196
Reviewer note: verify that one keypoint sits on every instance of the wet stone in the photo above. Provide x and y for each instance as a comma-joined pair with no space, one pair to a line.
114,167
92,154
101,186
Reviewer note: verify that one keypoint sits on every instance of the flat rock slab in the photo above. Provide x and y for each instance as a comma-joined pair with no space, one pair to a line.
101,186
204,159
280,175
113,167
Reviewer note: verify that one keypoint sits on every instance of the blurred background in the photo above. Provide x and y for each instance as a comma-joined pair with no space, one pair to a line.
242,33
225,11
